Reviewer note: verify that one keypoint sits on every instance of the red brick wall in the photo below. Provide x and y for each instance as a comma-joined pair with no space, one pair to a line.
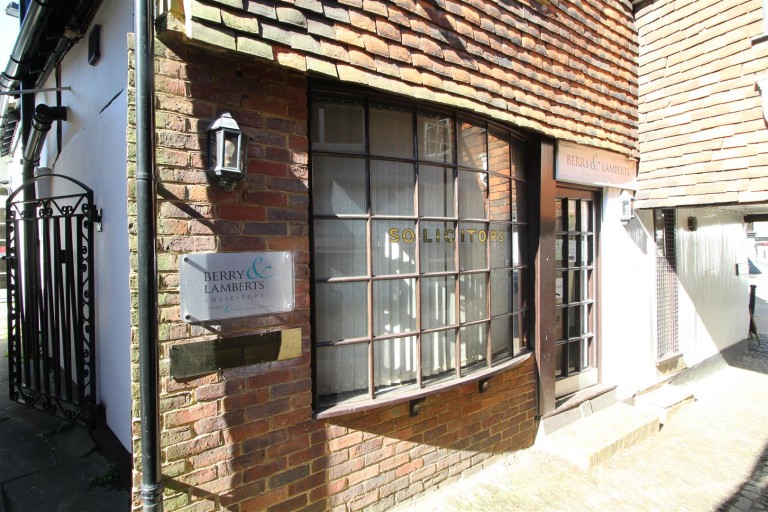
567,69
245,439
703,138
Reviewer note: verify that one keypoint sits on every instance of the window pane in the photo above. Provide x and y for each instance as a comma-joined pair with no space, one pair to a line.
435,137
572,251
436,192
559,323
586,250
438,356
500,194
519,248
394,364
339,248
559,360
391,132
473,290
585,350
586,216
342,373
338,127
501,339
518,160
472,195
342,311
559,215
438,247
473,340
585,288
574,356
573,287
438,302
472,150
571,214
394,306
472,241
574,321
585,324
519,290
338,185
501,292
394,247
519,333
500,240
498,149
392,188
519,202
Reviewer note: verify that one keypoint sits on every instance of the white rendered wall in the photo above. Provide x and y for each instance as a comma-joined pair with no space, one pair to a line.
93,150
713,301
627,299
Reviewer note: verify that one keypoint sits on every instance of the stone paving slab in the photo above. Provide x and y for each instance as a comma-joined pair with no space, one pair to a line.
48,464
59,487
711,456
24,458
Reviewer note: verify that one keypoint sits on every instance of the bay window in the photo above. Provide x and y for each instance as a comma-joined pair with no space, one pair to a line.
419,230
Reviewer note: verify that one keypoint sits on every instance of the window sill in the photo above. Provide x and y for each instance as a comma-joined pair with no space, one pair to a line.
339,410
669,358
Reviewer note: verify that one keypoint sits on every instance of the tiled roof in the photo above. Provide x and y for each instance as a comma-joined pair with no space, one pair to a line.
566,69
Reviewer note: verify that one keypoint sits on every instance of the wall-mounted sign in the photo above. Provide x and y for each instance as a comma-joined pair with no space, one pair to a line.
229,285
591,166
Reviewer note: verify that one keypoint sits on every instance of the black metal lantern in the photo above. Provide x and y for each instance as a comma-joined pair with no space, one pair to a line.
226,152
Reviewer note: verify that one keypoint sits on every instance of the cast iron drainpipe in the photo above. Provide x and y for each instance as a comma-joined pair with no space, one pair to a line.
151,471
42,120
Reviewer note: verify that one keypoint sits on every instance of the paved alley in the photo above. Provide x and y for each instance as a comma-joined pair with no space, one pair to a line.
712,455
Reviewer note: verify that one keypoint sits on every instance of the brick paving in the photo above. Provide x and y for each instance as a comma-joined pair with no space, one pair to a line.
712,455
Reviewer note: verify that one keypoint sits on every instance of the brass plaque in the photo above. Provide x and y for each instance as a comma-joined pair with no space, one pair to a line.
193,359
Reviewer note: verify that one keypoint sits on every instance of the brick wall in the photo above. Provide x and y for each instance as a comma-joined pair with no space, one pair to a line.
244,439
702,132
567,69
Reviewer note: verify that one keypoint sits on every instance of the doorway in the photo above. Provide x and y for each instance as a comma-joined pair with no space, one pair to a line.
576,361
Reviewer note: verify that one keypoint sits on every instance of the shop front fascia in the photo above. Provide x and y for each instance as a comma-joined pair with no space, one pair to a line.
580,186
419,212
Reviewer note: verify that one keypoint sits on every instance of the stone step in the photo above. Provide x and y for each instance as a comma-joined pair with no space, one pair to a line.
596,437
666,400
577,406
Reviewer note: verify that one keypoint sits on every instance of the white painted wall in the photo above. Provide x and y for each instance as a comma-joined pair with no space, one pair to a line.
93,150
627,298
713,301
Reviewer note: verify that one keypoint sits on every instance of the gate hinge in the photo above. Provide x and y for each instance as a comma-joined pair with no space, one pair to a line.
96,218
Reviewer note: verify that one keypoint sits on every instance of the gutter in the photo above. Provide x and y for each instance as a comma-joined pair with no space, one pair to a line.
29,64
149,397
33,19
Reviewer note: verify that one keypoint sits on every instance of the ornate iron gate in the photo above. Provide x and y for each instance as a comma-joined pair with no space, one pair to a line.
51,308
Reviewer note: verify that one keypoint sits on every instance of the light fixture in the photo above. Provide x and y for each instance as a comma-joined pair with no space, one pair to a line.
627,206
693,224
483,385
226,152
